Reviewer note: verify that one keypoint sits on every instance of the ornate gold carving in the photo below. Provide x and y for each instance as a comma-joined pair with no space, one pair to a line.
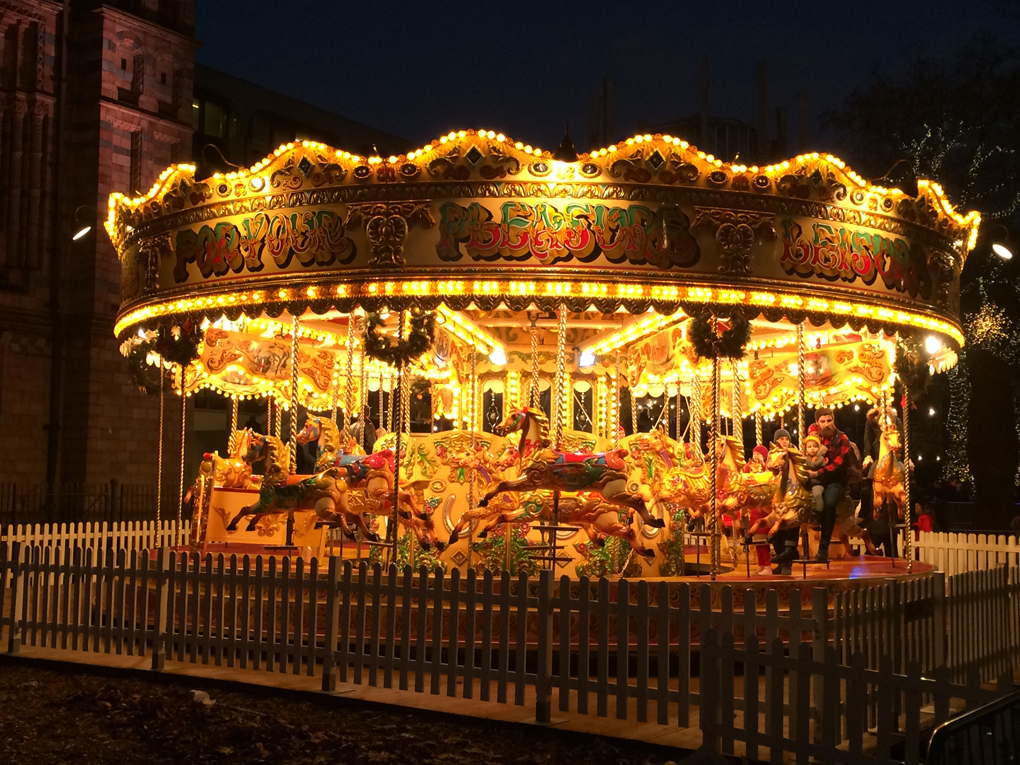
735,232
386,226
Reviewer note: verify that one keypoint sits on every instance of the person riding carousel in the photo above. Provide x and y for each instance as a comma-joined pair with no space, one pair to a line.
832,475
757,462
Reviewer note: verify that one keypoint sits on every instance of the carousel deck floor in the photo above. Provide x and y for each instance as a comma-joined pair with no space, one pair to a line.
838,570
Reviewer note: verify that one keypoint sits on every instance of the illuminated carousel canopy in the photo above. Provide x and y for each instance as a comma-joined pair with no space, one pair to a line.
475,221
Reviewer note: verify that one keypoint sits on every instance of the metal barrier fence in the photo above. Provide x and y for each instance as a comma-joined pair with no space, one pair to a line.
75,503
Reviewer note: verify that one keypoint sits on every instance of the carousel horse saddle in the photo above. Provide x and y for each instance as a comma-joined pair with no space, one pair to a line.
611,459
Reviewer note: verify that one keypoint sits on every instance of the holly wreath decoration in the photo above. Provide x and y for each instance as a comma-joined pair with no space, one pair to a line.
419,339
710,343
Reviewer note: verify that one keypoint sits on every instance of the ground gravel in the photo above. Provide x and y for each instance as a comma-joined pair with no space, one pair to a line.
70,716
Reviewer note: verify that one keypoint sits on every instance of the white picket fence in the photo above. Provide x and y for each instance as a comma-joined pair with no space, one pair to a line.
957,553
129,535
840,684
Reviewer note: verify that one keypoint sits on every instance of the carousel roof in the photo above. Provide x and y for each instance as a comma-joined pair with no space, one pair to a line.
478,222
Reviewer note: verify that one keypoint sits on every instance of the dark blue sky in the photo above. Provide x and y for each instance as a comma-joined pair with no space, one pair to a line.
419,70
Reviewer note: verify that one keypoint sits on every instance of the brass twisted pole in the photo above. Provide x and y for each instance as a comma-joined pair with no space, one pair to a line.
184,425
696,413
736,415
363,407
908,537
801,392
336,386
294,390
349,397
536,396
757,428
159,455
617,402
557,404
713,448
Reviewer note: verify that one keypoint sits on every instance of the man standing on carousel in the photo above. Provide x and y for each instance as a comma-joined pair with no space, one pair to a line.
832,475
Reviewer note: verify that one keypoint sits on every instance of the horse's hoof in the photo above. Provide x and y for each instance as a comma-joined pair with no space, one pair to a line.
656,523
232,526
483,534
454,536
373,537
649,554
440,546
425,545
483,502
251,526
600,543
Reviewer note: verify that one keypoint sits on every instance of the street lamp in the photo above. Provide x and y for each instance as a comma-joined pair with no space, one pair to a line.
83,226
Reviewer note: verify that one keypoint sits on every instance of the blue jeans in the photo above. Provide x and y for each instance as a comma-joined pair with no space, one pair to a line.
832,495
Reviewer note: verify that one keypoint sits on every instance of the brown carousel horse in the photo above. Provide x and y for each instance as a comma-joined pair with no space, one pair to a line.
542,467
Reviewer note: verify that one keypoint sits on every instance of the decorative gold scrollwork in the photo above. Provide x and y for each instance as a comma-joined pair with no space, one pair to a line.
735,231
386,226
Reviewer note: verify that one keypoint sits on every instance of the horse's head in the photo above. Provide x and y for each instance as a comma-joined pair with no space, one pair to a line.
310,432
256,444
891,437
776,460
514,421
421,522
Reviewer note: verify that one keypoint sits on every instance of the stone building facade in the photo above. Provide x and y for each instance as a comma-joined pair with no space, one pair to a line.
94,97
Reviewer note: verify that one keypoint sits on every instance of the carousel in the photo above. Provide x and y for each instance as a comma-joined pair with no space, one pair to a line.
600,350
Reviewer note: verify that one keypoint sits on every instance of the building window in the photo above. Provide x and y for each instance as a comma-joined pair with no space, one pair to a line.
162,78
209,118
123,63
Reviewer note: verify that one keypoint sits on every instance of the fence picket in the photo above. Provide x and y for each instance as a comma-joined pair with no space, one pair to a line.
602,618
470,600
583,643
485,669
622,646
521,643
453,628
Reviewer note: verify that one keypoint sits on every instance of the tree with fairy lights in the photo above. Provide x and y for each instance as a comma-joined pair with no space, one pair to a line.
958,122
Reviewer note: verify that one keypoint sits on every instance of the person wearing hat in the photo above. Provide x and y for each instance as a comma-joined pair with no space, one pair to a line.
782,438
832,475
757,462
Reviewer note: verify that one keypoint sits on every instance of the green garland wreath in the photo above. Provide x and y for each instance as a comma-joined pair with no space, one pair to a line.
181,350
730,344
419,340
912,366
144,376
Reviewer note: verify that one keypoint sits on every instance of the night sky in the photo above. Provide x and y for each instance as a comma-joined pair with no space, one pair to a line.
419,70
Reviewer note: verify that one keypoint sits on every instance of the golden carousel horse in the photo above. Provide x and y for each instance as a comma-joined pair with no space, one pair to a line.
329,493
488,471
792,502
889,475
542,467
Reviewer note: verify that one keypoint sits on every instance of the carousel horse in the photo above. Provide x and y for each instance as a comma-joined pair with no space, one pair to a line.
274,452
792,503
490,472
890,474
593,514
325,433
542,467
357,469
230,472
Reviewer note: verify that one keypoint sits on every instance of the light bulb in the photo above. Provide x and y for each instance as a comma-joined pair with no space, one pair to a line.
932,344
498,356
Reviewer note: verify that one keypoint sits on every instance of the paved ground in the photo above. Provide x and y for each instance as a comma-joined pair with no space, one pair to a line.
54,713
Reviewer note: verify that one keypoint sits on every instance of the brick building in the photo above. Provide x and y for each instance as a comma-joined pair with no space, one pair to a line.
97,97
